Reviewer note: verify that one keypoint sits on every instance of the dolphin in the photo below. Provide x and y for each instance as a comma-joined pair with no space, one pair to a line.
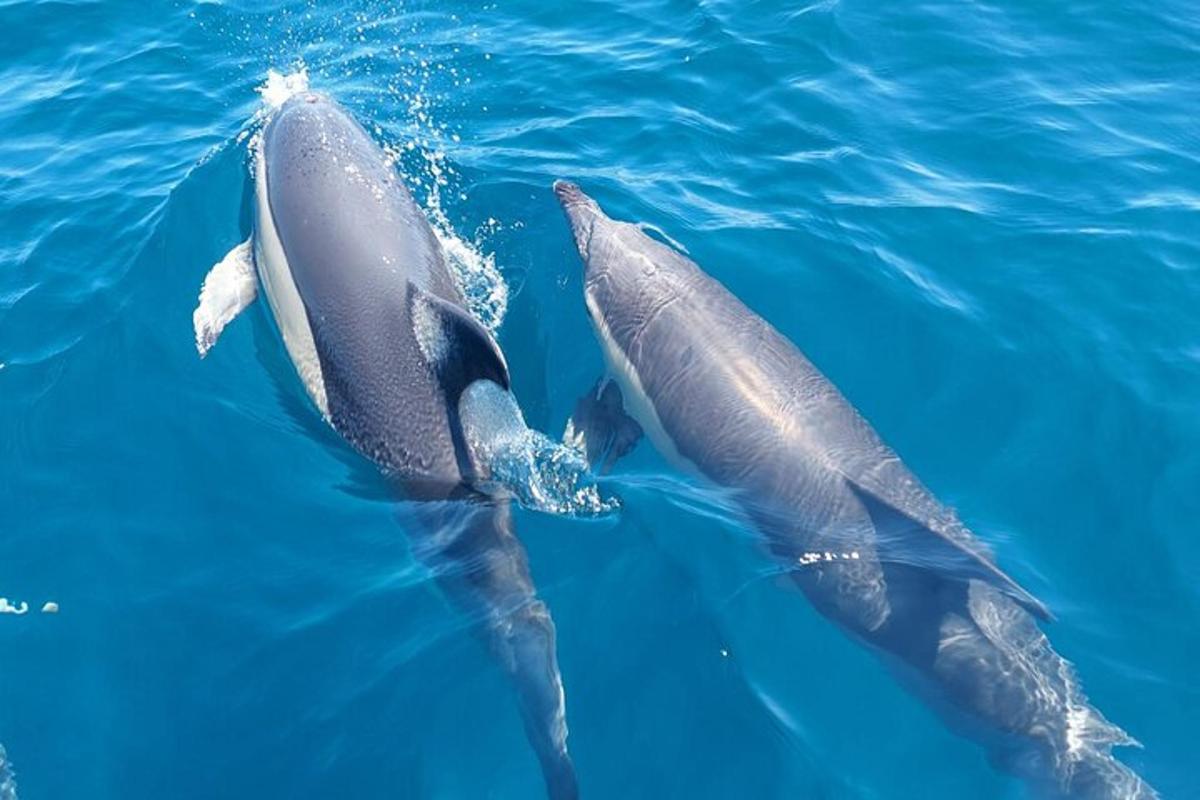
725,396
358,285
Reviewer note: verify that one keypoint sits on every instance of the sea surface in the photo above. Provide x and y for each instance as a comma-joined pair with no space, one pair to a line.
981,220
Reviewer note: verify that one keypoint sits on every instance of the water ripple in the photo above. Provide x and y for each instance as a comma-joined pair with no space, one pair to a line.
979,219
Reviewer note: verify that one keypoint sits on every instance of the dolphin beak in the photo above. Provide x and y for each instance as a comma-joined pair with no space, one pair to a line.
569,194
581,212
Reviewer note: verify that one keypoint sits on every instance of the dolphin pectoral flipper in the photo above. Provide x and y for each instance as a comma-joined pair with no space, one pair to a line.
931,547
229,287
601,428
455,344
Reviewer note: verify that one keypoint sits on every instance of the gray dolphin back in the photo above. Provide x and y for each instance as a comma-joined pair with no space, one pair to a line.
722,392
743,406
385,313
396,349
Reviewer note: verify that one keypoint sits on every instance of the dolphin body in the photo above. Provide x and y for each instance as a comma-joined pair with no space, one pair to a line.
359,287
722,394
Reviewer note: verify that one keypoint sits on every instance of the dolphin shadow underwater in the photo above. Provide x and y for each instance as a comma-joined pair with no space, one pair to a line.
723,395
360,291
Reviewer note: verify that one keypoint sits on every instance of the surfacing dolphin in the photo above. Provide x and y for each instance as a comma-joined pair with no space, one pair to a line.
723,394
376,327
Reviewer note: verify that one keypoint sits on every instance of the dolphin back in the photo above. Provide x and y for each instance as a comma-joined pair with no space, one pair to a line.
721,392
359,284
387,321
734,400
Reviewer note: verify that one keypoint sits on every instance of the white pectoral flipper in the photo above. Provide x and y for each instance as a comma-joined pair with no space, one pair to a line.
228,288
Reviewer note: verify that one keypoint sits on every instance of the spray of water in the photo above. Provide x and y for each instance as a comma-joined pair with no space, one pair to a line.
8,785
432,176
542,474
279,87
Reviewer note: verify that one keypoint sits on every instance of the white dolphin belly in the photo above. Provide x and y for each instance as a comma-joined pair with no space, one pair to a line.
282,295
637,403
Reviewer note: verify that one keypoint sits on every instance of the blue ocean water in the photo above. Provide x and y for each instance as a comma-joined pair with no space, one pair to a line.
980,220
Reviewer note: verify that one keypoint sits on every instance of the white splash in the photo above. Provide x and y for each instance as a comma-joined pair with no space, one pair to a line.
474,270
483,287
540,473
812,557
8,785
8,608
432,177
276,90
280,87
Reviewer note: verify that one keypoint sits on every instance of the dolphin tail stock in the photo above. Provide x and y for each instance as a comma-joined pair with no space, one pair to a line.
482,567
978,657
995,667
525,645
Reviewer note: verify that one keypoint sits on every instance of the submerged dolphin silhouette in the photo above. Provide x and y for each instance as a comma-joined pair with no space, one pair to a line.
724,395
376,327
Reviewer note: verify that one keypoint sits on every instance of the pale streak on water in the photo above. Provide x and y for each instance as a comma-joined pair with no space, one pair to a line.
8,785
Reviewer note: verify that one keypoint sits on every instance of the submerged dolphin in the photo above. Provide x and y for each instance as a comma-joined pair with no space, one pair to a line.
370,316
722,393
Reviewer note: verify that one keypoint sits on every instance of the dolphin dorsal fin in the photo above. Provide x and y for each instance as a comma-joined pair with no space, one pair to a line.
458,348
937,549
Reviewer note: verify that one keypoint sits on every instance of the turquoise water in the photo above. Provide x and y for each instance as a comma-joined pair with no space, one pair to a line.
981,221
